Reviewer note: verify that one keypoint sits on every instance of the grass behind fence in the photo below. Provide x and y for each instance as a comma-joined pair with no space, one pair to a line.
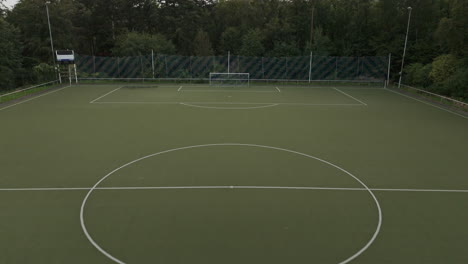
11,96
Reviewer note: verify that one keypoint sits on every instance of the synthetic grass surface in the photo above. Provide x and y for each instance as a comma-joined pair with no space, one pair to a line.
387,141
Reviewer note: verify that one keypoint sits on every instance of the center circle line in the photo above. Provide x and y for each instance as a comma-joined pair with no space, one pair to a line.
116,260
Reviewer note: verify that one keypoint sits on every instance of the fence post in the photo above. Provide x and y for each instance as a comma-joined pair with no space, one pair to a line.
388,73
357,72
165,62
263,69
142,69
190,68
94,63
229,62
336,68
152,61
310,67
118,67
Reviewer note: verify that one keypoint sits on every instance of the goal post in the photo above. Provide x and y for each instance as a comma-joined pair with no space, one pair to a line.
233,79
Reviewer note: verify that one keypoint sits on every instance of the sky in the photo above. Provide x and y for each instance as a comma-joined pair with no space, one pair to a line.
10,3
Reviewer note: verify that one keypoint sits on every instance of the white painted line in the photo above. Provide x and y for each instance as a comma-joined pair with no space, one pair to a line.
225,91
419,190
42,189
130,188
350,96
228,108
29,88
93,101
441,108
278,89
347,260
54,91
180,89
230,103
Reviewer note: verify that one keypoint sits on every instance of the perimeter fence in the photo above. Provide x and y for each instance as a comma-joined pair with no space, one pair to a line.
304,68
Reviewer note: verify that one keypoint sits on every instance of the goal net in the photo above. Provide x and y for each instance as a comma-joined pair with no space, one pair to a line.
235,79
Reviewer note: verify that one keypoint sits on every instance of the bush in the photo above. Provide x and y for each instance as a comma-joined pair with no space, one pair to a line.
417,74
443,67
7,78
456,84
44,72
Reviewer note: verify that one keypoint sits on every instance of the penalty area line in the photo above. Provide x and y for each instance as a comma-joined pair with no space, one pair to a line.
352,97
234,187
105,95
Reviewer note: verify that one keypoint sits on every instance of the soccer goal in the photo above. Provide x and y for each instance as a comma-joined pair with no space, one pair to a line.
234,79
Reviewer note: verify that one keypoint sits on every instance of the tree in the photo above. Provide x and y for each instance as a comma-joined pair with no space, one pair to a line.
10,55
252,44
2,8
284,49
322,44
231,40
133,44
202,45
29,16
452,33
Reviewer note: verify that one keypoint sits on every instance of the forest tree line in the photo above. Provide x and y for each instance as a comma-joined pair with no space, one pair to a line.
437,54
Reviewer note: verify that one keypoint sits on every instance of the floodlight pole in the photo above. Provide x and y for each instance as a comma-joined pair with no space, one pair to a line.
406,42
50,34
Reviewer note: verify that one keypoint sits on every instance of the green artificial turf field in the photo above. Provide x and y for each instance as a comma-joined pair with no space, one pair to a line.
160,173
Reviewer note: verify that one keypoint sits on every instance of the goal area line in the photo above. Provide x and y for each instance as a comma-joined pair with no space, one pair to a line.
234,187
227,103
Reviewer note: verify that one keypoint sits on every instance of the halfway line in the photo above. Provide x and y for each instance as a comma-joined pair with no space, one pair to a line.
235,187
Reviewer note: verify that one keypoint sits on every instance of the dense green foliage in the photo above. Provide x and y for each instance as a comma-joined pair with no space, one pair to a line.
10,54
254,28
140,43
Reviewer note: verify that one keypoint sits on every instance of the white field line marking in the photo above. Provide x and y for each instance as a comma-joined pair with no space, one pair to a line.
279,91
93,101
441,108
229,103
350,96
28,88
233,187
229,108
225,91
54,91
347,260
180,89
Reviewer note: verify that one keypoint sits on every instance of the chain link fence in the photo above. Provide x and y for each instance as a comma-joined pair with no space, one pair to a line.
304,68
